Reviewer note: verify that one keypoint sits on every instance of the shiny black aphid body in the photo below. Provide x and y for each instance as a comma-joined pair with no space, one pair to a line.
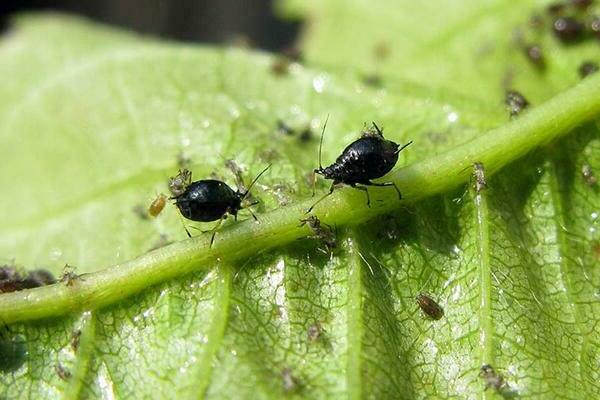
369,157
208,200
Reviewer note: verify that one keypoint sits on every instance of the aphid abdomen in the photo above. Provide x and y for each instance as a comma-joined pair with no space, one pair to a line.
365,159
201,212
208,200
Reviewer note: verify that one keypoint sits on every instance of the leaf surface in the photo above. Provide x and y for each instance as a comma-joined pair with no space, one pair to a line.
93,123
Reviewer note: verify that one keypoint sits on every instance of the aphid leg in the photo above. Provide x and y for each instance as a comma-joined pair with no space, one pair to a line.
364,189
386,184
314,182
214,230
253,215
249,210
322,198
185,227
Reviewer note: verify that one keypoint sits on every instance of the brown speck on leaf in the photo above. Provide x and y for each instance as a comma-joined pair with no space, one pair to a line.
588,175
141,212
587,68
479,175
157,205
290,382
492,379
62,372
429,306
75,336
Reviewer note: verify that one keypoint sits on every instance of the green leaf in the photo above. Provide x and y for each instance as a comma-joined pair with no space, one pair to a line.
92,123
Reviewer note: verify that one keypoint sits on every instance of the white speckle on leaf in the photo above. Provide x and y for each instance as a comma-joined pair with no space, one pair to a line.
276,277
55,253
319,83
105,383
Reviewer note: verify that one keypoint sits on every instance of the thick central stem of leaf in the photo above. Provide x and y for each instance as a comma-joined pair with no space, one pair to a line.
345,207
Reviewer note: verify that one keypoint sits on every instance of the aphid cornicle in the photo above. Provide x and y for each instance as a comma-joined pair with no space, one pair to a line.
369,157
210,200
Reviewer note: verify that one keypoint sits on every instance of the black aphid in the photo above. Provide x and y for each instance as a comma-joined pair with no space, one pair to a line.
587,68
37,278
11,280
515,102
492,379
211,200
535,55
321,231
369,157
568,29
429,306
588,175
479,175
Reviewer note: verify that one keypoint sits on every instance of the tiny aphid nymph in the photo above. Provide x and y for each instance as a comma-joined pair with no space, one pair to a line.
157,205
429,306
492,379
515,102
369,157
321,231
179,182
479,175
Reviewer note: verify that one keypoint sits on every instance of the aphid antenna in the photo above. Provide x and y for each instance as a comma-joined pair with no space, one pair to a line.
403,147
254,181
425,284
321,143
366,262
379,131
